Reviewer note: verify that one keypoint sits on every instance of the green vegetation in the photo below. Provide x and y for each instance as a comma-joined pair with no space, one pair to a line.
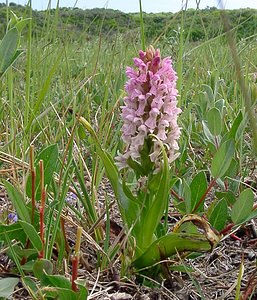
62,76
198,24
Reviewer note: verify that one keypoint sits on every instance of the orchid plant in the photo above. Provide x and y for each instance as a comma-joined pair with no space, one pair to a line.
141,176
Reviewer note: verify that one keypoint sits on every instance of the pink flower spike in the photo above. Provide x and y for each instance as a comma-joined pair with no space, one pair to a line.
150,106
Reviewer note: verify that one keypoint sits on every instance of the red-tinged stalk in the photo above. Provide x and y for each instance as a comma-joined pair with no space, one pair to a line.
42,207
33,182
75,261
227,229
173,193
212,183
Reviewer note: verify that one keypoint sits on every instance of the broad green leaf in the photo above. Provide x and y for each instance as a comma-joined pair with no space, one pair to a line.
228,196
207,132
243,206
60,293
27,281
198,187
42,267
32,235
214,121
154,213
56,280
8,48
209,93
7,286
83,293
232,169
220,104
169,245
50,157
13,231
219,215
222,159
17,201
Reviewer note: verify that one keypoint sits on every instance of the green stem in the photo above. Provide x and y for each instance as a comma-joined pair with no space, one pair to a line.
142,26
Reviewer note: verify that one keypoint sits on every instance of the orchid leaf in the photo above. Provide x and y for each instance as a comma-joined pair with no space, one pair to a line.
169,245
155,212
129,209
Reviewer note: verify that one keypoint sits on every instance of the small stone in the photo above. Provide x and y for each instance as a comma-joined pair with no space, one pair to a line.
251,255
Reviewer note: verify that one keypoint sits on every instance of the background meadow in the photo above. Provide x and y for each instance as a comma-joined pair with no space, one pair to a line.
73,64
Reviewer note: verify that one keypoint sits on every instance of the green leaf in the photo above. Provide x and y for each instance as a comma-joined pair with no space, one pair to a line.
235,125
198,187
219,215
32,235
154,213
21,252
56,280
8,48
214,121
17,201
222,159
182,268
169,245
83,293
129,209
42,267
27,281
220,104
207,133
60,293
13,231
50,157
209,93
228,196
243,206
232,170
7,286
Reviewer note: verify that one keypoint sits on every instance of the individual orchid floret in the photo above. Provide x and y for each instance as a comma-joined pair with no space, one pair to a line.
150,107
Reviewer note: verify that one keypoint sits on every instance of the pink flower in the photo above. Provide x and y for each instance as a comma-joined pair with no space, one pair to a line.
150,108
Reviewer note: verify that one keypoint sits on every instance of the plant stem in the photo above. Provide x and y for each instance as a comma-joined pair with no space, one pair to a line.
212,183
75,261
142,26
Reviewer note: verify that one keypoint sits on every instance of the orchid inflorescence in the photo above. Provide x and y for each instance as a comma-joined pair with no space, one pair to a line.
150,109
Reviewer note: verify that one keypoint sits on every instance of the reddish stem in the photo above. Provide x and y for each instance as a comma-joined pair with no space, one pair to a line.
226,229
173,193
212,183
236,238
75,261
75,265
